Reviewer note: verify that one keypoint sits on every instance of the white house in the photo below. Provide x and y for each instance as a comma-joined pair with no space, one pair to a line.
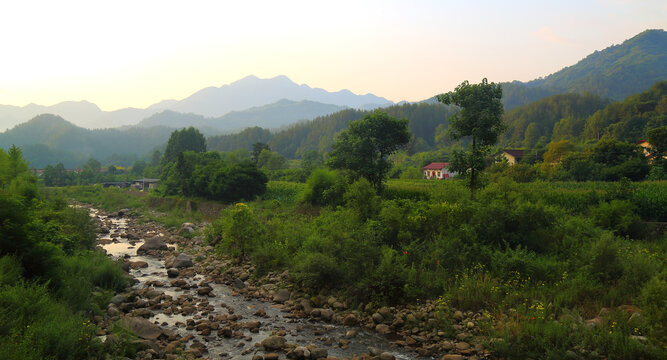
437,170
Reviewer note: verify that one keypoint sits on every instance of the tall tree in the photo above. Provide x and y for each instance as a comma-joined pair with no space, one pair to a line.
365,146
257,149
480,118
183,140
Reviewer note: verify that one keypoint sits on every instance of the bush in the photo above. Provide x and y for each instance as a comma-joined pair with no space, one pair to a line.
606,265
317,270
324,188
619,217
361,198
238,230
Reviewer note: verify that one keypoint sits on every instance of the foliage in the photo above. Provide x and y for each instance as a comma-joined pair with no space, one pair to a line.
324,188
480,119
365,146
189,139
48,273
206,175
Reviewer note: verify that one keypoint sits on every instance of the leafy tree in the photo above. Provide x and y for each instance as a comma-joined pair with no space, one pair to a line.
184,140
481,119
557,151
365,146
257,149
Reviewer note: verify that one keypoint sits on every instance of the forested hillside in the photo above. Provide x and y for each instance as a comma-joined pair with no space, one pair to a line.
46,136
615,72
318,134
555,117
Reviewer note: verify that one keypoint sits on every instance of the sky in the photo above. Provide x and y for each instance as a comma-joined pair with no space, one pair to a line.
136,53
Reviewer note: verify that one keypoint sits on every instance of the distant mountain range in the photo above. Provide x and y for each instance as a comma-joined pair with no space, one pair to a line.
212,102
272,116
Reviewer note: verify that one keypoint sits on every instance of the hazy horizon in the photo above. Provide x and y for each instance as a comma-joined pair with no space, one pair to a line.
134,54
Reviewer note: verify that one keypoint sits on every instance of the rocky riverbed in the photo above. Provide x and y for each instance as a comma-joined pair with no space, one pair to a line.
188,300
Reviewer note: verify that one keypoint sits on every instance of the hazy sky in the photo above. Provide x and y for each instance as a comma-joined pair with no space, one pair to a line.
135,53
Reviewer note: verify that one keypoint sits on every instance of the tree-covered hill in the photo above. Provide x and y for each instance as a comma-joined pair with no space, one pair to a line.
615,72
319,133
580,118
47,136
536,122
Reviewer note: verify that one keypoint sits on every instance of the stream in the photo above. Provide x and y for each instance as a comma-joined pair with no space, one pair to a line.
237,323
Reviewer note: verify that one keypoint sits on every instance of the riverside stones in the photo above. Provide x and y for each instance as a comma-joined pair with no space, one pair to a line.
281,296
142,327
154,243
182,261
274,342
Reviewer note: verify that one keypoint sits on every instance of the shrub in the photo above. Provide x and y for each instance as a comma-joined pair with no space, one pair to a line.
317,270
324,188
237,228
361,198
619,217
606,265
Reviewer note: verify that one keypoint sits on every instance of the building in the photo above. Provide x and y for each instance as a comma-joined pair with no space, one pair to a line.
512,156
145,183
437,170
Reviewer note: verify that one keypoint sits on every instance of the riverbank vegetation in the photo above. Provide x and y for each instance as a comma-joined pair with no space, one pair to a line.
52,282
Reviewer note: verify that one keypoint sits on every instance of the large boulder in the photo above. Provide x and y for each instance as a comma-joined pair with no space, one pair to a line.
274,342
142,327
281,296
182,261
154,243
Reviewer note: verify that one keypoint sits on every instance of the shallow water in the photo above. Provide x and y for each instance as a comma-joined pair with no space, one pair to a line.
300,331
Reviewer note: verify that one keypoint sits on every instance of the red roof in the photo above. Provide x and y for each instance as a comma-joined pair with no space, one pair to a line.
435,166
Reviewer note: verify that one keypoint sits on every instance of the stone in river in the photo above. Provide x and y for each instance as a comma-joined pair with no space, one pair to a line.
154,243
182,261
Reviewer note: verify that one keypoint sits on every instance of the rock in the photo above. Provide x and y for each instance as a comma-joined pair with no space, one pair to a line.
301,352
138,264
244,276
374,351
307,306
238,283
382,329
186,230
462,346
350,320
172,273
458,315
182,261
117,299
327,314
453,357
271,356
154,243
142,327
274,343
317,352
281,296
387,356
377,318
206,290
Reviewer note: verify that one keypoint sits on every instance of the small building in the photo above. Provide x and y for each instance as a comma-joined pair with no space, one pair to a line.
646,146
437,170
512,156
119,184
145,183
